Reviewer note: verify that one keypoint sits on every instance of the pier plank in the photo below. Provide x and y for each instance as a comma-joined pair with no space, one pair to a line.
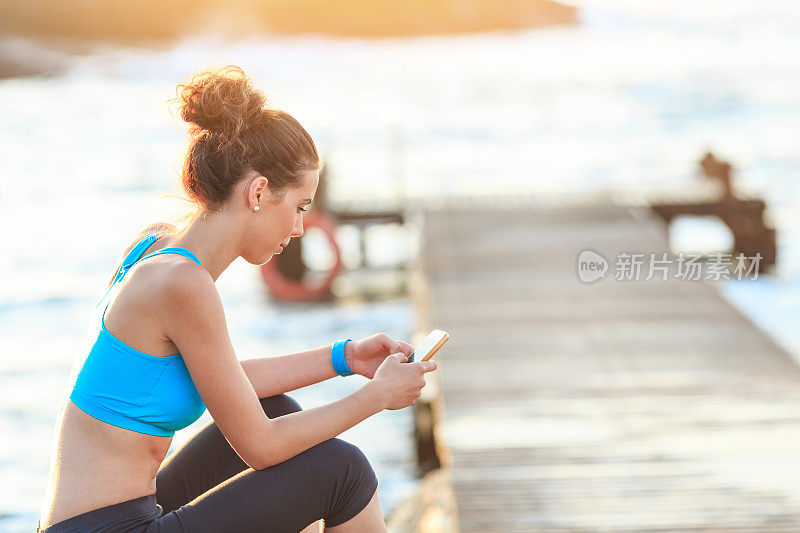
617,406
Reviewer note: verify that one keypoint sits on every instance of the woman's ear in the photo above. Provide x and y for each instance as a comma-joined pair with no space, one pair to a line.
257,190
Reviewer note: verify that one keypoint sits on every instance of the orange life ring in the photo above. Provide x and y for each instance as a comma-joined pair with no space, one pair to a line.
289,289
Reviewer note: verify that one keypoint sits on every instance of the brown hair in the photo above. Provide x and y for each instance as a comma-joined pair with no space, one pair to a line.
232,131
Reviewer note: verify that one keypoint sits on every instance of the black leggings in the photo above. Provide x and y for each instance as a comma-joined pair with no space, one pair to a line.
206,487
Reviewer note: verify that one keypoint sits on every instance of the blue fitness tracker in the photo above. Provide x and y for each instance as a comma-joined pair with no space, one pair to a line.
337,357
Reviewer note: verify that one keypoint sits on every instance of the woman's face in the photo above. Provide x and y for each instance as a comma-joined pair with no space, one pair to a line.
277,223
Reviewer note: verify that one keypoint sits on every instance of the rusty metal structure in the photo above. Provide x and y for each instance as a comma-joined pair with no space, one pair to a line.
745,217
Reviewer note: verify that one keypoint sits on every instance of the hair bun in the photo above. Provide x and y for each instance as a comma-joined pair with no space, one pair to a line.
221,101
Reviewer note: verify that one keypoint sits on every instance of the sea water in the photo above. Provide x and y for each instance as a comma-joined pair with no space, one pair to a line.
626,101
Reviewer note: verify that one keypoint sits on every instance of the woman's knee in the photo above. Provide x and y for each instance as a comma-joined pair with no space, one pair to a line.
343,452
355,482
349,462
279,405
342,462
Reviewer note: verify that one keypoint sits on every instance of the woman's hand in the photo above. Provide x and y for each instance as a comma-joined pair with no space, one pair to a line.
365,356
397,383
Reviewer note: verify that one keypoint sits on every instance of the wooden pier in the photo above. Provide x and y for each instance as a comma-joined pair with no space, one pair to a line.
613,406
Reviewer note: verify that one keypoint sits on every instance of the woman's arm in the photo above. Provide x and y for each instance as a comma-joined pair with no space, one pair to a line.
195,321
277,375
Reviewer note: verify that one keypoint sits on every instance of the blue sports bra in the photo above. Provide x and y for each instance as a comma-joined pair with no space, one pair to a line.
131,389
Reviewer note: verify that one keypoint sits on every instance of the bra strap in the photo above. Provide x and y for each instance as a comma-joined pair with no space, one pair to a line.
175,250
136,253
131,258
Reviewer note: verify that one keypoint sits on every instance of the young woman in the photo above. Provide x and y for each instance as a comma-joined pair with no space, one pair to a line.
162,355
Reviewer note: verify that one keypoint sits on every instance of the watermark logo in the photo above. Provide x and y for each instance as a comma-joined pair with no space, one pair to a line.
591,266
638,266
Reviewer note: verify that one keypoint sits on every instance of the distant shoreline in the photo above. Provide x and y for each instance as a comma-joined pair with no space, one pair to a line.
150,21
39,36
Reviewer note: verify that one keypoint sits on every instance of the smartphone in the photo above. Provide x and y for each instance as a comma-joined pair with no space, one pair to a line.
429,345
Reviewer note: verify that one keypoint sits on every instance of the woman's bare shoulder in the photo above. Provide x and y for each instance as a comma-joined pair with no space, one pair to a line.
156,227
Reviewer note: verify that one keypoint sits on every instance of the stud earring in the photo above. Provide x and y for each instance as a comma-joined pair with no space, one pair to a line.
256,208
